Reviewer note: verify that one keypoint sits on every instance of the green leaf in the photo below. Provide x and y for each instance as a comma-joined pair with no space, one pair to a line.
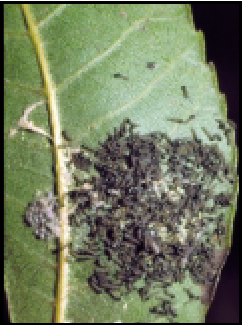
107,62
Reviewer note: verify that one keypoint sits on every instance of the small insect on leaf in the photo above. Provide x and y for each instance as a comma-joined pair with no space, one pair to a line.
227,130
185,92
151,65
211,137
66,136
191,295
180,121
119,75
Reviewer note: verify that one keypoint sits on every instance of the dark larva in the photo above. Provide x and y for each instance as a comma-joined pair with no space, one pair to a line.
227,130
66,136
184,91
180,121
94,285
119,75
213,137
191,295
150,65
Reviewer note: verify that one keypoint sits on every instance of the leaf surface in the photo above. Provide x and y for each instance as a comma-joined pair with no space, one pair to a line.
108,62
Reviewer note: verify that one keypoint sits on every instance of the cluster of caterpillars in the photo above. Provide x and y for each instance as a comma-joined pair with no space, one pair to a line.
147,212
147,188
